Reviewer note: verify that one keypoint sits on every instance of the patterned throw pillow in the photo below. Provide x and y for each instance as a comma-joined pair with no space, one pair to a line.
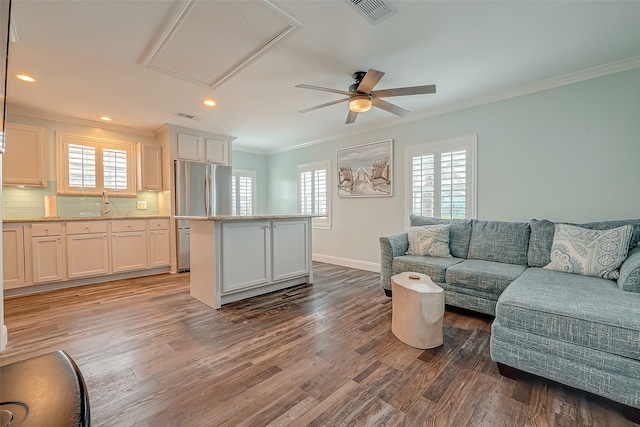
431,240
596,253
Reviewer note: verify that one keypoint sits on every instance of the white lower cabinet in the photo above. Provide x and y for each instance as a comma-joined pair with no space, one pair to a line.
159,249
128,246
246,254
259,252
159,243
87,249
290,253
47,252
13,256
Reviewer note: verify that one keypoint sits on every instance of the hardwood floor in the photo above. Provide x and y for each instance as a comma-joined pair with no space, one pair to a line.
316,355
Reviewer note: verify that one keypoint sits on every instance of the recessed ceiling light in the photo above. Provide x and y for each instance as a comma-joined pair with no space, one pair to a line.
26,78
105,118
209,102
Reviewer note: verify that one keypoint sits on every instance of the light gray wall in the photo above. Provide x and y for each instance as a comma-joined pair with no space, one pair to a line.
569,153
258,164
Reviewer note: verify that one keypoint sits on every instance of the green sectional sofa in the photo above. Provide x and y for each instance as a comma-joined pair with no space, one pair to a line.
577,329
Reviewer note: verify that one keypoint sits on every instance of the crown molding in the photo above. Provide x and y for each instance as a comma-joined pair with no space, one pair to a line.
551,83
44,115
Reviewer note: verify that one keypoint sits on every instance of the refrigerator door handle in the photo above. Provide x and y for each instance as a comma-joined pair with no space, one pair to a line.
207,193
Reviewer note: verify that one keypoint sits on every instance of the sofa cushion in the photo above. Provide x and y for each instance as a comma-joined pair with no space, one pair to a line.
542,232
582,310
459,235
597,253
499,241
431,240
483,275
433,267
630,272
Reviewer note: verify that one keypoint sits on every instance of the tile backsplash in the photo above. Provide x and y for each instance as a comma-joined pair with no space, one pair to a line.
28,203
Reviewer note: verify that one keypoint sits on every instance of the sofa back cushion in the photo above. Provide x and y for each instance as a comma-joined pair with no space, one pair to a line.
500,241
459,234
542,232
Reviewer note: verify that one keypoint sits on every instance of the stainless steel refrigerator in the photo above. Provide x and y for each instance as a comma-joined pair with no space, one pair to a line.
201,190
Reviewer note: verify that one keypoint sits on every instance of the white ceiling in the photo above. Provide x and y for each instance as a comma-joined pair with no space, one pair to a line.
88,58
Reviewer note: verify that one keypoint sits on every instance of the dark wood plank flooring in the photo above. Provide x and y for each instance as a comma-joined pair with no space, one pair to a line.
313,355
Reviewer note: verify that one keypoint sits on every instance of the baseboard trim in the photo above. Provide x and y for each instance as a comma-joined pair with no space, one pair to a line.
4,337
346,262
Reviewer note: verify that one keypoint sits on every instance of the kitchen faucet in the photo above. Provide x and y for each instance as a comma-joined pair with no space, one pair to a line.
105,202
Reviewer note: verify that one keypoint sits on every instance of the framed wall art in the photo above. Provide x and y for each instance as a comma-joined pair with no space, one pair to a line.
365,170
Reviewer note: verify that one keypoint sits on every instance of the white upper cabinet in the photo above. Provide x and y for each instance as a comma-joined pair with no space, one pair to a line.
190,147
217,151
23,160
197,146
149,167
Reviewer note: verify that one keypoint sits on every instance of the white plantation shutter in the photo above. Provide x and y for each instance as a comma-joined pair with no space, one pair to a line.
423,181
313,192
306,193
453,184
441,181
90,166
82,166
242,192
320,192
115,169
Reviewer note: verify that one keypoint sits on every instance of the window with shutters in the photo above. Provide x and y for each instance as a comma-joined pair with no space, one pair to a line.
441,178
314,197
243,192
89,166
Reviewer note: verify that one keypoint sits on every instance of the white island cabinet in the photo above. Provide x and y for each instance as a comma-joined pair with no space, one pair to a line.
233,258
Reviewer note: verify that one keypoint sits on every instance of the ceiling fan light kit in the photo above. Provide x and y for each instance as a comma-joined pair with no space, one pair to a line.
360,103
362,97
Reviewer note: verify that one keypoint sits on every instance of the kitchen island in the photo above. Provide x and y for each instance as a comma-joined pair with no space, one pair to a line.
237,257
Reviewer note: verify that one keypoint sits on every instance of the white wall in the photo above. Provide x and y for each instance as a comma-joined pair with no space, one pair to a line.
569,153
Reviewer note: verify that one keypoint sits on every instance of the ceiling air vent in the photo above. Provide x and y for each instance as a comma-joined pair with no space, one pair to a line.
374,10
189,116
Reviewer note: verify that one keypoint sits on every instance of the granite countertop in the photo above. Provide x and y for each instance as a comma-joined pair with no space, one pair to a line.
241,217
82,218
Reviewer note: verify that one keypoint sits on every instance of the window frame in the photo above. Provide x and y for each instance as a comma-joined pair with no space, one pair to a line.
237,173
63,187
317,222
469,144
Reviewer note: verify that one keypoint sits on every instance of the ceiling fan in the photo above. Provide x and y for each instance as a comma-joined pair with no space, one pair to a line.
361,95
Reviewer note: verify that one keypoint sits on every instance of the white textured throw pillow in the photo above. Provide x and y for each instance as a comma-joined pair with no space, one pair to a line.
596,253
431,240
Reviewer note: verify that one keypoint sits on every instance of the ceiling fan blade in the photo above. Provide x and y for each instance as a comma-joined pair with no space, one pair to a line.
323,105
387,106
351,117
324,89
371,78
402,91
